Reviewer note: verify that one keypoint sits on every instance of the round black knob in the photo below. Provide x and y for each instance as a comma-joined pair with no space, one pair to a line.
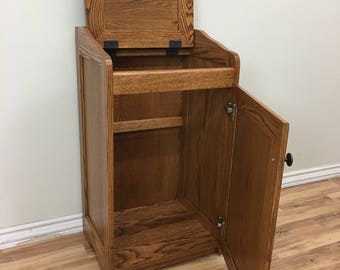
289,159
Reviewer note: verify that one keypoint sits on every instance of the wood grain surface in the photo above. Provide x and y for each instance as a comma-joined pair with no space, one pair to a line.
150,237
255,183
205,150
210,51
134,82
148,61
141,24
147,124
307,238
96,129
147,167
138,107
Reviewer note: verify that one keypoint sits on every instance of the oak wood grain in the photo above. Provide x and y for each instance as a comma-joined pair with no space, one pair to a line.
134,82
148,106
255,183
205,149
147,163
147,167
141,24
95,152
155,236
132,62
96,129
211,51
149,52
147,124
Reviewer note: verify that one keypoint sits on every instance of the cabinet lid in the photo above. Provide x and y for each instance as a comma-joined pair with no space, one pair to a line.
141,23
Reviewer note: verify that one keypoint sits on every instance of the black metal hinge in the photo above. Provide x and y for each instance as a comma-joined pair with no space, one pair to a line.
174,46
111,44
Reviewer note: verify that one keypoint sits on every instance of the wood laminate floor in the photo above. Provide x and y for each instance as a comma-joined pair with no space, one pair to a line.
307,238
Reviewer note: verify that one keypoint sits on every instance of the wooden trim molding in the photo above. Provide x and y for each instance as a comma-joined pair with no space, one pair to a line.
37,231
147,124
316,174
157,81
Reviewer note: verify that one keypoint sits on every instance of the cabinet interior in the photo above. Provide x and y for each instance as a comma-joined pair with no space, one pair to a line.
159,59
171,161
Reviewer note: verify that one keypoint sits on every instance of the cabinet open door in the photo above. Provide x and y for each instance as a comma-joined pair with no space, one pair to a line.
256,174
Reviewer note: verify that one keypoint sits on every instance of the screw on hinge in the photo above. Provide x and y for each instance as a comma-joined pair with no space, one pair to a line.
220,222
230,108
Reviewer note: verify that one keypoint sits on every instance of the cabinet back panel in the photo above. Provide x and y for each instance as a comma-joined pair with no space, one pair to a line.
147,163
149,62
206,150
152,62
146,106
147,167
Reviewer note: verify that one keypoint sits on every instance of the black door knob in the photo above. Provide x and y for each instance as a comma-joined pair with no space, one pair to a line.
289,159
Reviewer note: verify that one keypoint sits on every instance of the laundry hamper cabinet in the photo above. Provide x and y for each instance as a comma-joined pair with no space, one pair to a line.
178,161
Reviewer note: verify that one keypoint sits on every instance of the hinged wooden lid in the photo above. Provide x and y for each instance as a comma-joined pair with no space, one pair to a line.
141,23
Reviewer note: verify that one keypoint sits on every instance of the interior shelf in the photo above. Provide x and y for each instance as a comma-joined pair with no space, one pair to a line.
171,80
147,124
149,237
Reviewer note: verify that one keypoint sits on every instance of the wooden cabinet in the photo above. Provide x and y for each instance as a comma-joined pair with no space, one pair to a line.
178,161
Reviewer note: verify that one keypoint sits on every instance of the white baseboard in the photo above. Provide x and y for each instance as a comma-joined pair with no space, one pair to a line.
302,177
33,232
13,236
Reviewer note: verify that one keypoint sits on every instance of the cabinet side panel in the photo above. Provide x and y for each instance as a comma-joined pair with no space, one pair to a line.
207,158
96,113
209,50
96,152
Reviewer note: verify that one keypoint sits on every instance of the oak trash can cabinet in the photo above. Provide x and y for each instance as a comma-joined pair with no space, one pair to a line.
178,161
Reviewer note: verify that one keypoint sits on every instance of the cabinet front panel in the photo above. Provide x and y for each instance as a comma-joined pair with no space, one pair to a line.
257,167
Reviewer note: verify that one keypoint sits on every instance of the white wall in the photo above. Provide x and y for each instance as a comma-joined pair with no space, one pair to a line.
290,59
39,148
